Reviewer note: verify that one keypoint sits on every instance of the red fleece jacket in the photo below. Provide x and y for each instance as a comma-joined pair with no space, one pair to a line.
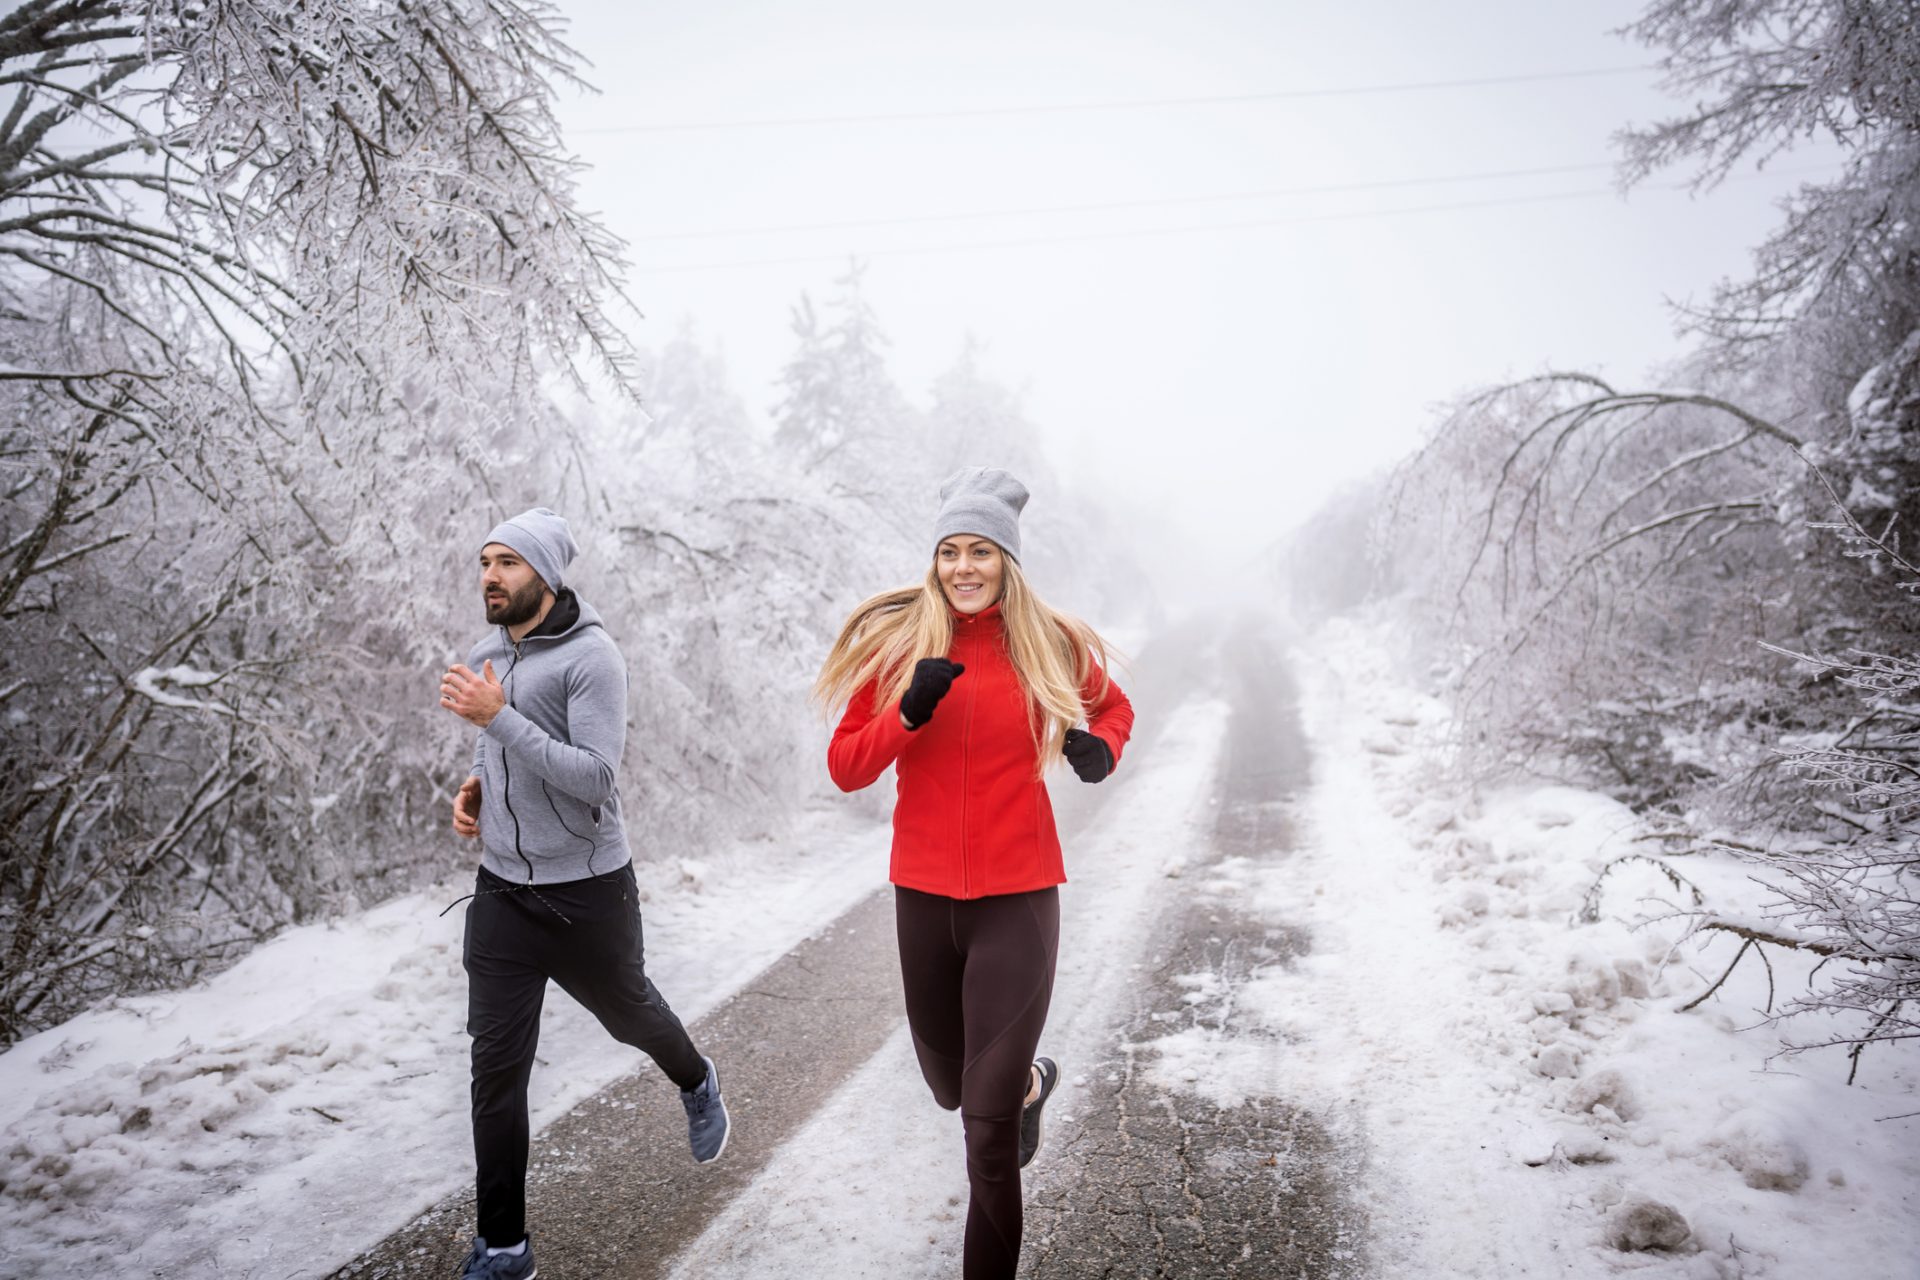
972,818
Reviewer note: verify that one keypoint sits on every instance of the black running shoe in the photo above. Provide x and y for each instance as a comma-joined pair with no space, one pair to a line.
1030,1114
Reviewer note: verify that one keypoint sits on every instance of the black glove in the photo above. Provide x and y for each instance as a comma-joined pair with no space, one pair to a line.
1088,753
932,677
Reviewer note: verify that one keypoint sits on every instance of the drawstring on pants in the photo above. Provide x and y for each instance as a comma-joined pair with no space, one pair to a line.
512,888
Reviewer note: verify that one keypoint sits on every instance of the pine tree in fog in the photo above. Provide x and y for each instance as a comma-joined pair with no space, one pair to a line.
836,394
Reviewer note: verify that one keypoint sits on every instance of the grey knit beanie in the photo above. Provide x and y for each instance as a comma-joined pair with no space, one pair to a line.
543,541
982,501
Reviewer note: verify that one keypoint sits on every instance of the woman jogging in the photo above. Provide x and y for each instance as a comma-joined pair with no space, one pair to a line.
970,686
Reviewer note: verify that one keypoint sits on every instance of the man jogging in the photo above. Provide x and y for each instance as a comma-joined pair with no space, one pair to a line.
555,896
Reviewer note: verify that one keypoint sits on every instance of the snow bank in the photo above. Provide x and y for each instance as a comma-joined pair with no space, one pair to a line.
231,1128
1535,1104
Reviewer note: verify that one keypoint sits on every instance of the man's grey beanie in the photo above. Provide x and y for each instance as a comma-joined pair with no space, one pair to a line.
982,501
543,541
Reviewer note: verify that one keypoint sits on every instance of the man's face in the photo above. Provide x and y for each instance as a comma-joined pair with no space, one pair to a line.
510,588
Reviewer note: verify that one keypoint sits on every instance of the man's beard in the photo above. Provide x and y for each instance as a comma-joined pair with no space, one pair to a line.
517,608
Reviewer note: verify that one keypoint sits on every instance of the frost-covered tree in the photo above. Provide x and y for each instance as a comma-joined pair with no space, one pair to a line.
1607,557
1331,562
723,566
975,419
1835,291
1583,502
1853,898
837,396
285,290
1841,271
1833,303
278,286
693,413
1599,603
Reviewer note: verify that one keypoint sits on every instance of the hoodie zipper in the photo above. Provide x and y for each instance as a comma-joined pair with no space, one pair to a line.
506,767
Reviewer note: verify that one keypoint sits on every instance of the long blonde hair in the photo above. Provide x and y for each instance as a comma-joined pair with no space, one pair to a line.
1053,654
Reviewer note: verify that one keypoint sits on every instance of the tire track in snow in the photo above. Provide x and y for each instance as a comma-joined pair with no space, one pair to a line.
1213,1172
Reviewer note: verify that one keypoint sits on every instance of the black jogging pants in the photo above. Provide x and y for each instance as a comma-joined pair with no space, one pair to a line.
585,936
978,974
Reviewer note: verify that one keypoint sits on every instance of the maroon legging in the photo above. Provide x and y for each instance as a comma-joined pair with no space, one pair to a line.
978,974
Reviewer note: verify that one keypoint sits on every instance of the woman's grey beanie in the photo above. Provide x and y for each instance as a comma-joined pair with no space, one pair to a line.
982,501
543,541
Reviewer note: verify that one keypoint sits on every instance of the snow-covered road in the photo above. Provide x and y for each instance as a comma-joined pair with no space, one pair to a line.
1354,1014
872,1184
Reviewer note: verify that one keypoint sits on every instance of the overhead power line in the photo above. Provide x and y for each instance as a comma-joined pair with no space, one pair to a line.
1126,104
1089,237
1113,205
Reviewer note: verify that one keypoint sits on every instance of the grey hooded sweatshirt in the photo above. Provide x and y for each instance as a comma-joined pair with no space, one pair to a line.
549,763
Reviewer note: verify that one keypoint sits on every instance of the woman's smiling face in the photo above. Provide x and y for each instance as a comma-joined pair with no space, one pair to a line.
971,571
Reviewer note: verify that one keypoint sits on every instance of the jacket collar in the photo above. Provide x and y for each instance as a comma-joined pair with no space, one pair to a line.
988,617
562,618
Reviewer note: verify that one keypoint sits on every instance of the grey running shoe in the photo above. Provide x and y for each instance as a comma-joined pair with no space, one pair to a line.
707,1122
1030,1114
501,1266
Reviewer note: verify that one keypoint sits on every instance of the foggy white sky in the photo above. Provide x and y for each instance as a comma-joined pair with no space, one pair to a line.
1219,380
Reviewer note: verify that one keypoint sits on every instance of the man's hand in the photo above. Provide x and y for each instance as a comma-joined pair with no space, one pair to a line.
476,699
466,809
